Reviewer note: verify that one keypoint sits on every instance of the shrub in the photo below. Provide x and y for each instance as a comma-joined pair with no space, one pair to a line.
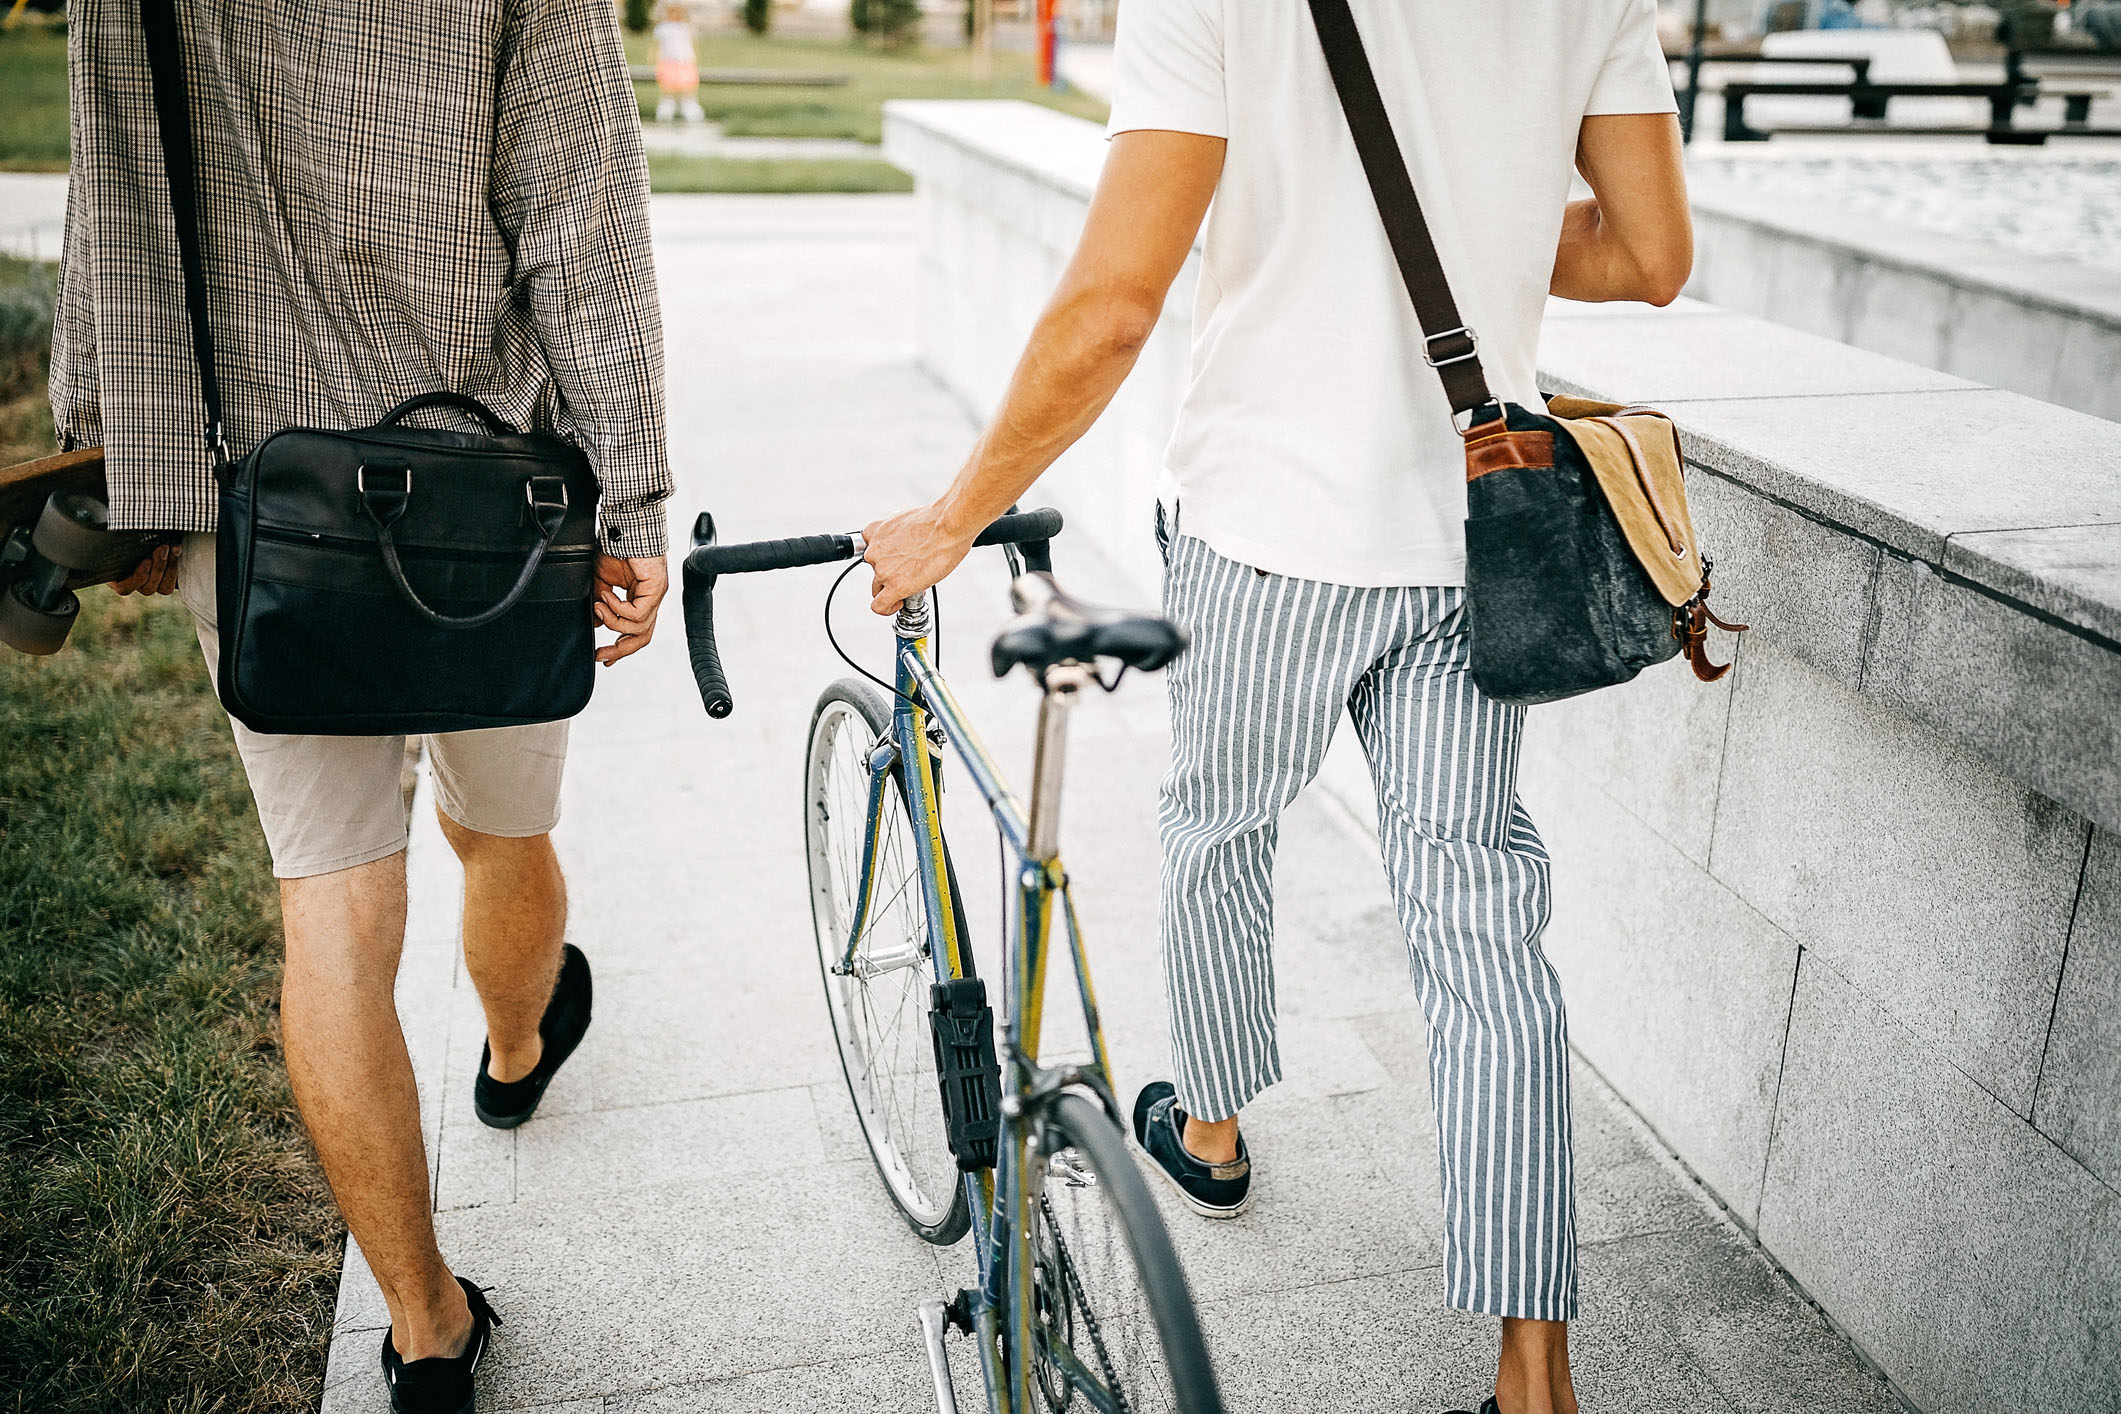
26,293
892,22
638,15
758,15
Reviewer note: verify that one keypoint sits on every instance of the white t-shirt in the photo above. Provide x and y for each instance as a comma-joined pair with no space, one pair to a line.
1313,441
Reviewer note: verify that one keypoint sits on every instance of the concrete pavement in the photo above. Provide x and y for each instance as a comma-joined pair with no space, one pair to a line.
691,1222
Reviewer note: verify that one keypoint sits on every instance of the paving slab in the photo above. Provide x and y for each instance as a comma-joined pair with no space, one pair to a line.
692,1222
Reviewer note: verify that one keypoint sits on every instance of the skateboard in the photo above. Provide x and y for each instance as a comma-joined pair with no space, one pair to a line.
55,538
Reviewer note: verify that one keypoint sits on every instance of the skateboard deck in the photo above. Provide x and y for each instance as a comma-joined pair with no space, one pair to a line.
25,486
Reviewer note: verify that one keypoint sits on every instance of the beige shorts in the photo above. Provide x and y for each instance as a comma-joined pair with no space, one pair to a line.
332,802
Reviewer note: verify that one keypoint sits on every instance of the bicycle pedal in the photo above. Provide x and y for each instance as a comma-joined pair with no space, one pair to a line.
971,1079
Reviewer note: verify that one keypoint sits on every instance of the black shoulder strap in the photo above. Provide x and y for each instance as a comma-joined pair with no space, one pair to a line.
1450,348
165,64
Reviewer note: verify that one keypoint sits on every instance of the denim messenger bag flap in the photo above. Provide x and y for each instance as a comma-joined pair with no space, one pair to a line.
1582,567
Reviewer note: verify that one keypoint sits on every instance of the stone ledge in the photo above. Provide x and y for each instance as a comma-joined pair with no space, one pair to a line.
2060,286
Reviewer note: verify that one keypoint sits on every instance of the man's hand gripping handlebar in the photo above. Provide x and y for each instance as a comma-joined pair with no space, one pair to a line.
709,560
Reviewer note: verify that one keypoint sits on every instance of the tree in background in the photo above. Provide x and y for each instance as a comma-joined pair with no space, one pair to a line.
638,13
758,15
891,22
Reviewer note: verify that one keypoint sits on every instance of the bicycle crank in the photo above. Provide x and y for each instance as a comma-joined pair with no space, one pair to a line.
934,1320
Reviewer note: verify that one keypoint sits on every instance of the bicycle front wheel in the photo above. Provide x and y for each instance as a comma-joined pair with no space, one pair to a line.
877,990
1114,1330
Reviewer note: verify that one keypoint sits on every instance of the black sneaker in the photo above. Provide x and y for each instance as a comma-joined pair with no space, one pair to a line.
504,1104
441,1384
1487,1406
1212,1190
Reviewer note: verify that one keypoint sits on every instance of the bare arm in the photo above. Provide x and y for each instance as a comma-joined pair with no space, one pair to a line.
1634,239
1149,203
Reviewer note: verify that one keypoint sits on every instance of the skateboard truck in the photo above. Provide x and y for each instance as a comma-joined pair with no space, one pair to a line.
55,538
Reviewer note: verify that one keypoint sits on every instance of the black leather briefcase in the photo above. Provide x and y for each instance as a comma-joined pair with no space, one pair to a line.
400,580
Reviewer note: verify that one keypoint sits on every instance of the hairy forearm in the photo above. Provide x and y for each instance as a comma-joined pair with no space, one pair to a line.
1080,352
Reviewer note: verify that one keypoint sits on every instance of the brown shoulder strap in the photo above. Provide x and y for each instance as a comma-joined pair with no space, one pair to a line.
1450,347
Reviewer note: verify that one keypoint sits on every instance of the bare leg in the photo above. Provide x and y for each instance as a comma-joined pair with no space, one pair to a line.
1212,1141
515,914
353,1080
1532,1376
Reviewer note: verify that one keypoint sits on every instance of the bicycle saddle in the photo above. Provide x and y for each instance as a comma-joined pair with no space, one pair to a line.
1051,627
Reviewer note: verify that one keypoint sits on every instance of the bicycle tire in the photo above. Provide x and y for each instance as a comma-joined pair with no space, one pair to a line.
940,1221
1075,1122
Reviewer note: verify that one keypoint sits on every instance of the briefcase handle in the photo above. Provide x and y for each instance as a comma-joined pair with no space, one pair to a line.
385,504
462,402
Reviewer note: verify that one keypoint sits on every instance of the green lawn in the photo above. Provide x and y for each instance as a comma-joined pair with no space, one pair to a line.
33,111
166,1239
855,110
675,172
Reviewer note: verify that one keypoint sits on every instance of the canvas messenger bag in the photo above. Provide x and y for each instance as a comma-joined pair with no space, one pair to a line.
392,580
1582,567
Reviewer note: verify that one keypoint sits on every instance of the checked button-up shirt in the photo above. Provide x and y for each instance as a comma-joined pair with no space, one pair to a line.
396,198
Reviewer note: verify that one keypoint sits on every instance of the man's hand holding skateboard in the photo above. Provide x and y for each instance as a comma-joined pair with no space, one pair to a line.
157,574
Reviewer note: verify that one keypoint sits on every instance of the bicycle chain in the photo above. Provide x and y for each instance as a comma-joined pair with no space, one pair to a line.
1068,1275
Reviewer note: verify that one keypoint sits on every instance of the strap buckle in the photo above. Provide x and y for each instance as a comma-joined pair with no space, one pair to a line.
554,483
547,498
403,469
1470,350
384,504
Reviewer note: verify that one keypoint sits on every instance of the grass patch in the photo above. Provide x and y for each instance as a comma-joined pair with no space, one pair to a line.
167,1241
676,172
26,292
33,115
855,110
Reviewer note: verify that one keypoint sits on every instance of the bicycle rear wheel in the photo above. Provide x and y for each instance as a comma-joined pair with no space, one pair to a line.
879,1000
1115,1328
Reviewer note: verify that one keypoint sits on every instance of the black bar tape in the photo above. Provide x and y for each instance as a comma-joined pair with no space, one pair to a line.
1023,526
699,641
757,555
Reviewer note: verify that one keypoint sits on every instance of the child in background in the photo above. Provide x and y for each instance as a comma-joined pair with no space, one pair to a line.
677,68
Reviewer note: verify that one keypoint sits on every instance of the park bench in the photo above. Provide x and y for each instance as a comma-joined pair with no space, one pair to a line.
1859,64
1868,101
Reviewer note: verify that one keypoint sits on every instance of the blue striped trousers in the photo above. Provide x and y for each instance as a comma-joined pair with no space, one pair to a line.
1254,703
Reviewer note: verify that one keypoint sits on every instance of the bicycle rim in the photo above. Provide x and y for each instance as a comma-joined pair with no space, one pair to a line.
1126,1338
880,1006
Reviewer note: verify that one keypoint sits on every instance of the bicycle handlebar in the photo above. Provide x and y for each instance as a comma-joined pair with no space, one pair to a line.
708,561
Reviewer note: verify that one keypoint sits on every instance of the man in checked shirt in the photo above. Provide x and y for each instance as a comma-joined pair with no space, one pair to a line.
444,194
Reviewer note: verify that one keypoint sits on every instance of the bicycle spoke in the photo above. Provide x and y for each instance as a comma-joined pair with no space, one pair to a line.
880,1014
1114,1336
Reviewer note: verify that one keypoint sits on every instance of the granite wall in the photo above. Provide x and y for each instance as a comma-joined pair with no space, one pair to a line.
1844,928
2050,329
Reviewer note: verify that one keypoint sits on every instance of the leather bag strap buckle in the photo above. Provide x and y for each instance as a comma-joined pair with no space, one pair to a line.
381,503
1461,345
547,498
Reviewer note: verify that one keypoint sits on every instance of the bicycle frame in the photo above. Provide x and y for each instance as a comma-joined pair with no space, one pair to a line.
1002,1202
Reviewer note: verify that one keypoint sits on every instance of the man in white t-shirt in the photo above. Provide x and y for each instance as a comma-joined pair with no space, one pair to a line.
1311,512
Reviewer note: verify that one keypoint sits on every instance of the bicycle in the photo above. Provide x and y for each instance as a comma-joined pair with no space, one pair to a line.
1080,1296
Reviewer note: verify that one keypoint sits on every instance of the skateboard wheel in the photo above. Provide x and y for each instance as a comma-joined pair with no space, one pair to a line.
28,629
74,531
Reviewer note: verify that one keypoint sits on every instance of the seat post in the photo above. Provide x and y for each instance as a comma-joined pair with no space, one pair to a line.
1064,683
